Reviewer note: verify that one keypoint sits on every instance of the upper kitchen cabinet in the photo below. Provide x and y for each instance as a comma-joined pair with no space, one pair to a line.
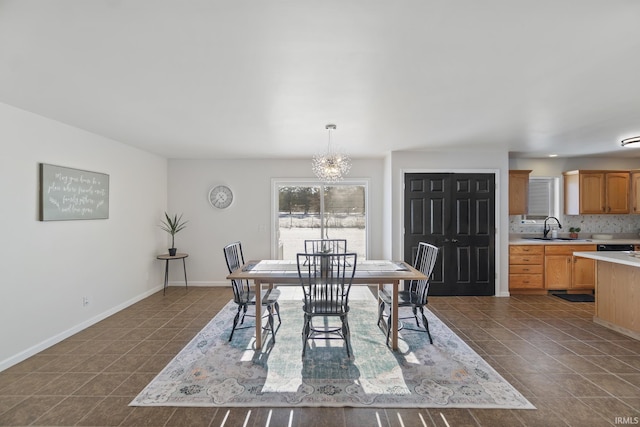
518,192
596,192
635,192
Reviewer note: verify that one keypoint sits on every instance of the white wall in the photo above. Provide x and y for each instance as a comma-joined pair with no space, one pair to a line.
248,219
48,267
456,161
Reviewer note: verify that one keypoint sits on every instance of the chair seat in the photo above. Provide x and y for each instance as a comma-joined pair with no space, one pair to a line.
269,296
404,298
320,308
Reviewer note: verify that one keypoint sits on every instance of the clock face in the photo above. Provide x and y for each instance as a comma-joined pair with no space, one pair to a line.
220,196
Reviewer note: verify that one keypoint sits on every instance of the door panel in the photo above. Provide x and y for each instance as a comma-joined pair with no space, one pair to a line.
463,266
417,216
456,213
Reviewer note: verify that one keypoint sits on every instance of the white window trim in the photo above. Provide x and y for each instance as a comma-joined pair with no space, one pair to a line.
556,206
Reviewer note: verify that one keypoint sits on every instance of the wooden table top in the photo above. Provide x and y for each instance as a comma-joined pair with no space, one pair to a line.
286,271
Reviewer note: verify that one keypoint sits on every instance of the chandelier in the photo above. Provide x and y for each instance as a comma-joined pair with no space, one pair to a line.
332,166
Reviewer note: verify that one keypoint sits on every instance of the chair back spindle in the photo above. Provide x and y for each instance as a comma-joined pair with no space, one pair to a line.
332,246
425,260
235,260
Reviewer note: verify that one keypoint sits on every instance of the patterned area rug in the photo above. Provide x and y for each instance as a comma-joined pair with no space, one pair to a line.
210,371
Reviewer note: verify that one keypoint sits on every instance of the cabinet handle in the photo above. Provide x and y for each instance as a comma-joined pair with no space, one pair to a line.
525,259
525,269
568,260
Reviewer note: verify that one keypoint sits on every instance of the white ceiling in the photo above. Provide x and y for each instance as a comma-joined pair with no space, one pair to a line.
261,78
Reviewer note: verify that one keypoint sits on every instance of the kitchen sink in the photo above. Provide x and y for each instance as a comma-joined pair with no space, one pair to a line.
551,239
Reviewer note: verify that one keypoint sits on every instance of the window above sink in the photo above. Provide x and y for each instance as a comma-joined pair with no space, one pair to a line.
544,199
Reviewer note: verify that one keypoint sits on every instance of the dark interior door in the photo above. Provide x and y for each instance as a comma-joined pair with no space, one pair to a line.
456,213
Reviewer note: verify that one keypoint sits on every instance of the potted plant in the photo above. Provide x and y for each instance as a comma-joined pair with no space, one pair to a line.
172,226
573,232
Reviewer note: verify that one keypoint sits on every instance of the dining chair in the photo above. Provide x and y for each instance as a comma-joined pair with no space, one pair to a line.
417,293
333,246
326,280
325,246
243,296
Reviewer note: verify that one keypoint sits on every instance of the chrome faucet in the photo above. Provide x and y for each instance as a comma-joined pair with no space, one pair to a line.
546,229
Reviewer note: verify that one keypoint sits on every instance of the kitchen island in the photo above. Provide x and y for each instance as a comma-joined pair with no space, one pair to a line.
617,291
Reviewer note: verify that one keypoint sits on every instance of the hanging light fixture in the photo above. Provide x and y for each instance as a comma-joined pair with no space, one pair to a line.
630,140
332,166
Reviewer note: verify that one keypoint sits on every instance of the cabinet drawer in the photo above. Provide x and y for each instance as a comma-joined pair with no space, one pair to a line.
526,259
525,269
526,249
526,281
567,249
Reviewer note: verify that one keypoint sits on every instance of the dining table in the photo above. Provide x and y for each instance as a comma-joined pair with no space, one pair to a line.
368,272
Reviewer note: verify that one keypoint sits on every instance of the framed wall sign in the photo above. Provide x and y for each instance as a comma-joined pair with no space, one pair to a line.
71,194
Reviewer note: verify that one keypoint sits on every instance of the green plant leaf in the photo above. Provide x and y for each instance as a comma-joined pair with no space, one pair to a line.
173,225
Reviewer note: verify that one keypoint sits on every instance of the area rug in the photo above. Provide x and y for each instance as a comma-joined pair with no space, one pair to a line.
210,371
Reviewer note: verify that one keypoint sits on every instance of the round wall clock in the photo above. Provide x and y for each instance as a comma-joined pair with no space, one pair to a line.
220,196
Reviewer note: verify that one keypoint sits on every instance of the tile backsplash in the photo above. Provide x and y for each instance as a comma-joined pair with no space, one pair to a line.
589,224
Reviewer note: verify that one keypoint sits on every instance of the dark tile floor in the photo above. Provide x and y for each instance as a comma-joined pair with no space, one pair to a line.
575,372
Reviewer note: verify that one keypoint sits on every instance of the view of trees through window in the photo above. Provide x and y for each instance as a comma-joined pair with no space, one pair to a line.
318,211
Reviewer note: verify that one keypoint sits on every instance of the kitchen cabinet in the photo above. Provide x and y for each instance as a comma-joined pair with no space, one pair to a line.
635,192
563,271
617,296
526,267
617,192
518,192
596,192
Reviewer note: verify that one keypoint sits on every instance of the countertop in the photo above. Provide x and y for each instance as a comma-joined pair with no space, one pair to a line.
623,257
517,240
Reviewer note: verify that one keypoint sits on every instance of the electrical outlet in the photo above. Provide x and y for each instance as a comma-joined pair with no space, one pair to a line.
85,301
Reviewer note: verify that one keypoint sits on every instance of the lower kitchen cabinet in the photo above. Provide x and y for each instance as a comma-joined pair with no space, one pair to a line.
526,268
537,269
563,271
584,273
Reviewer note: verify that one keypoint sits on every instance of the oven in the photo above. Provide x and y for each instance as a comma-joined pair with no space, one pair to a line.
610,247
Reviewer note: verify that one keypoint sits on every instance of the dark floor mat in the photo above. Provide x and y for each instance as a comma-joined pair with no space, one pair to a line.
577,297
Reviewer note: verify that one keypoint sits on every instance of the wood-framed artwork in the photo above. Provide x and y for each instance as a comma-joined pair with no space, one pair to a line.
72,194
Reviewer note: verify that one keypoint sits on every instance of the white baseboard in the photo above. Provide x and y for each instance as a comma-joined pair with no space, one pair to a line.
13,360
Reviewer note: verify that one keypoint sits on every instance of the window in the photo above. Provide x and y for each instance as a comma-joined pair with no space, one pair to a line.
544,199
316,211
